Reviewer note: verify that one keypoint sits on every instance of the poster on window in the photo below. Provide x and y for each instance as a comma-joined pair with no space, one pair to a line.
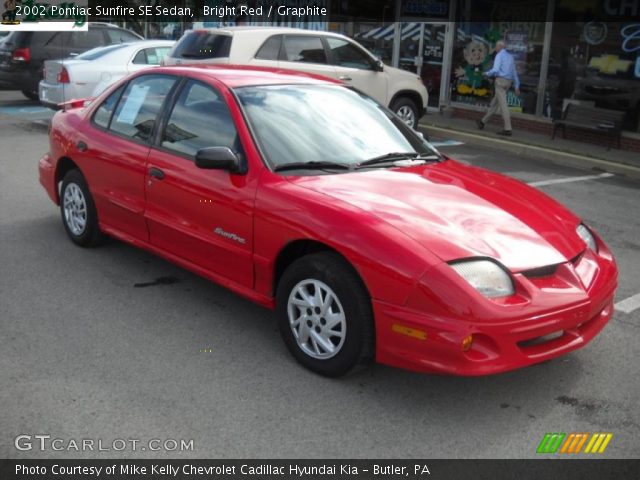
518,45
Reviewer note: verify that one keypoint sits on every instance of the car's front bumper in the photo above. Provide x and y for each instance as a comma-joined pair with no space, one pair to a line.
427,341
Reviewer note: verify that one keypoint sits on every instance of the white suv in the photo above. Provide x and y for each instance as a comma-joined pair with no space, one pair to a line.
323,53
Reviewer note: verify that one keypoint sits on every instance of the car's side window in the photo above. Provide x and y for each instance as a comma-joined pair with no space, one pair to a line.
270,49
151,56
200,118
346,54
137,110
304,48
102,117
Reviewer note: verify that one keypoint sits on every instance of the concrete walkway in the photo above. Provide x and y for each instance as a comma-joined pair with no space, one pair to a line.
586,156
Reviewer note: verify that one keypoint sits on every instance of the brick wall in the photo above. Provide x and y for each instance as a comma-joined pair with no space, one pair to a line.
545,127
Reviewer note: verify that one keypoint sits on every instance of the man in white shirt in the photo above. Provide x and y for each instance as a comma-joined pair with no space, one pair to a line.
505,73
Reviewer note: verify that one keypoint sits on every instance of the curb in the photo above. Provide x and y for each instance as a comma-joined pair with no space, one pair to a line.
539,153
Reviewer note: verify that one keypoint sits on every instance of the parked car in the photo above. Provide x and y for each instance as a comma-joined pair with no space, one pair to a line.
91,72
312,199
22,54
323,53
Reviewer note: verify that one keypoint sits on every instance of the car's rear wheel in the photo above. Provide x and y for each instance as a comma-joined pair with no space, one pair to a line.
407,111
31,94
325,314
78,211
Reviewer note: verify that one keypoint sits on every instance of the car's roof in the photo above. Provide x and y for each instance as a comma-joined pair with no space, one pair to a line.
234,76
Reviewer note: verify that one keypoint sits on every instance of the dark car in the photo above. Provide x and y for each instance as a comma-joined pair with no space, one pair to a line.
614,91
22,54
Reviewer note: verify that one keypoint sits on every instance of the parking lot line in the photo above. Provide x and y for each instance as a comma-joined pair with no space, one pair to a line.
628,305
570,179
446,143
23,110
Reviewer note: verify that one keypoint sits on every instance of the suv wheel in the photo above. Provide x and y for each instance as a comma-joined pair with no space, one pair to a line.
406,110
30,94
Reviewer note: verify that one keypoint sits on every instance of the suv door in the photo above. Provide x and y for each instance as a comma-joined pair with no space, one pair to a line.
202,216
306,53
356,67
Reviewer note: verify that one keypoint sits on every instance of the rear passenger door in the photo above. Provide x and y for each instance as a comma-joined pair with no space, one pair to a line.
115,148
306,53
202,216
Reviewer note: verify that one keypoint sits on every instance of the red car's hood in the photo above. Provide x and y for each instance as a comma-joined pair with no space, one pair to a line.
457,211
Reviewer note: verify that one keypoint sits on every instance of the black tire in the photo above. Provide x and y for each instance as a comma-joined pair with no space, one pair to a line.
90,235
406,103
31,95
353,299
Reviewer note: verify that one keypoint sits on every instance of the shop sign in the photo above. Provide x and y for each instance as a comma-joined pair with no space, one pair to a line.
426,8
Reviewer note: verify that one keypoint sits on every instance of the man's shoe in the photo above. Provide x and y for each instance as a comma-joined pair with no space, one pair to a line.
506,133
480,124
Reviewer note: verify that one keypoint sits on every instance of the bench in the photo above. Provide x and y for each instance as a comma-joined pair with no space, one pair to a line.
591,118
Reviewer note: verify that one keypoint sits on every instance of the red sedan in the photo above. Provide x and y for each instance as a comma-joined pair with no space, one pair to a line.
310,198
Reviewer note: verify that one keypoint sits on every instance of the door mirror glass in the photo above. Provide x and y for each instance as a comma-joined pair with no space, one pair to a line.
379,66
218,158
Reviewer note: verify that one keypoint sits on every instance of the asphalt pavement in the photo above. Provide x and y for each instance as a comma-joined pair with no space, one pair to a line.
113,342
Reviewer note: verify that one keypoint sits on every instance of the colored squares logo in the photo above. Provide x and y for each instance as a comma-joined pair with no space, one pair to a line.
574,443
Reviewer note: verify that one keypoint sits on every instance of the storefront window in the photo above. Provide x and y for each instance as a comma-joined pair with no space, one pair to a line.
597,64
474,52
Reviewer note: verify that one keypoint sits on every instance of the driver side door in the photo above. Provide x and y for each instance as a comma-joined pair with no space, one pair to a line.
202,216
355,67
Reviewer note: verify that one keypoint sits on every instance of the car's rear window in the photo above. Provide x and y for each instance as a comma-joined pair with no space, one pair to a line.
201,44
100,51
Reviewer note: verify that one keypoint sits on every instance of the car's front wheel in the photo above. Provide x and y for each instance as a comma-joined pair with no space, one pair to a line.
78,211
325,314
407,111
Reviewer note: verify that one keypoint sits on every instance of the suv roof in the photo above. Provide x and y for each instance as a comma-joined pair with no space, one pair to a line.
270,30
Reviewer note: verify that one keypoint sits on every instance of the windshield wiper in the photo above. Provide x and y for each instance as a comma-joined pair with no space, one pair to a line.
395,156
314,165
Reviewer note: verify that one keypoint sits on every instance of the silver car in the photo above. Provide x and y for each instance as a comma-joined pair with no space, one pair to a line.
91,72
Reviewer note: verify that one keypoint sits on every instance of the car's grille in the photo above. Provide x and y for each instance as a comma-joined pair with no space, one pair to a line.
539,272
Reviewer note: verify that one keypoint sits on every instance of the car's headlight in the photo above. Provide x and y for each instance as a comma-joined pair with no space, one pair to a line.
588,238
485,276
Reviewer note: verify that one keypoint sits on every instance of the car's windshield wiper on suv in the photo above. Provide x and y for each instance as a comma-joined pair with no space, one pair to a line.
395,156
313,165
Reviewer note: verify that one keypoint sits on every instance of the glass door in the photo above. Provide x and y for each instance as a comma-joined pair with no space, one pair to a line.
422,50
431,71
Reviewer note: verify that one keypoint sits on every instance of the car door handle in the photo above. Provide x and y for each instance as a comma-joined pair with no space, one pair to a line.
345,78
156,172
81,146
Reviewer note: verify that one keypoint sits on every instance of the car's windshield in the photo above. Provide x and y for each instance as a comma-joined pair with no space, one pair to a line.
324,123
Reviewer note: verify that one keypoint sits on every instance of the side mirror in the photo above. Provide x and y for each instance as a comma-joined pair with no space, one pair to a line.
219,158
378,66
